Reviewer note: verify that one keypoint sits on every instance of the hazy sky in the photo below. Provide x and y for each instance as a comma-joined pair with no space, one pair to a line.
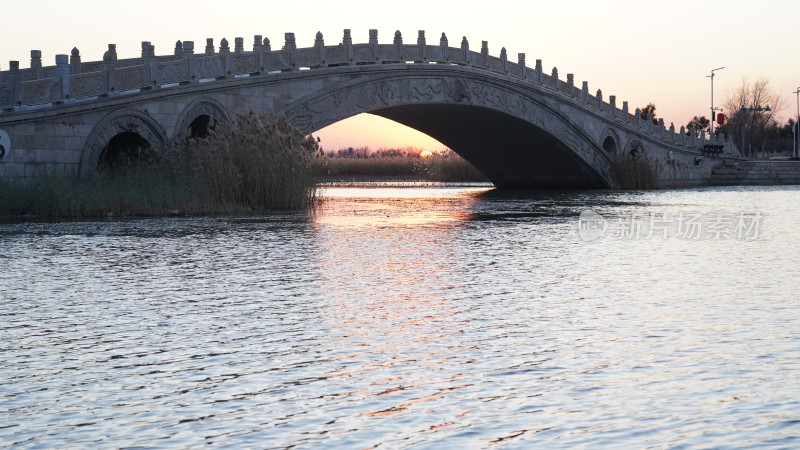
640,51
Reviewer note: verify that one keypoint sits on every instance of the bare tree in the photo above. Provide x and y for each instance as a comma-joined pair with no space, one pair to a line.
752,110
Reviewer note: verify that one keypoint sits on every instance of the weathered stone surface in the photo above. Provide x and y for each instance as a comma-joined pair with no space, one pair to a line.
547,132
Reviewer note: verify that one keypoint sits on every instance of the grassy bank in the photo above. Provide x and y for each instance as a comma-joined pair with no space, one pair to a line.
254,164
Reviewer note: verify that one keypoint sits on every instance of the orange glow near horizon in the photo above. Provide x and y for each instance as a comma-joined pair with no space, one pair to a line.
375,132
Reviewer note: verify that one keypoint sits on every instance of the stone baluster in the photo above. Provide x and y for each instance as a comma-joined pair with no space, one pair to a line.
36,64
585,92
258,49
290,46
672,131
554,78
319,44
638,117
14,80
504,60
112,50
521,64
227,58
238,45
62,72
702,138
683,135
178,49
571,84
75,61
209,46
662,129
650,122
625,112
444,48
465,50
373,44
149,61
612,100
539,71
599,97
422,45
484,54
267,45
692,137
188,55
148,51
109,64
347,41
398,46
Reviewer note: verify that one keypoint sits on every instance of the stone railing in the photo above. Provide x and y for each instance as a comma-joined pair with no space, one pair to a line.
72,79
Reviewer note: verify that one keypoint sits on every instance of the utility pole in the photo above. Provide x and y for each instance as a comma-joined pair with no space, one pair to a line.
797,126
713,110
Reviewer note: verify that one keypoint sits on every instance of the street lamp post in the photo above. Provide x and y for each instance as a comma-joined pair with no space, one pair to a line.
713,110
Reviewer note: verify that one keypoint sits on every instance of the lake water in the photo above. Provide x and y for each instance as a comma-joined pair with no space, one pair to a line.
412,316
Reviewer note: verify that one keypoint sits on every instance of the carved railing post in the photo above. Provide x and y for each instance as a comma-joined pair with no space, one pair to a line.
373,44
661,128
319,43
504,60
347,41
554,78
75,61
702,138
188,55
178,49
672,131
683,135
36,64
650,123
465,50
612,100
62,71
571,84
290,46
638,118
109,64
398,46
149,60
238,45
539,71
14,79
227,59
444,48
267,45
585,92
599,97
484,54
521,64
258,49
209,46
692,137
422,45
625,112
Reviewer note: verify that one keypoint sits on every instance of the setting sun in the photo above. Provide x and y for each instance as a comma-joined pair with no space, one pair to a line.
425,154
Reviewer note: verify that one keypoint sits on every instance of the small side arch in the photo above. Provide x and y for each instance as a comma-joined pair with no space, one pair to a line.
198,116
610,141
634,148
131,124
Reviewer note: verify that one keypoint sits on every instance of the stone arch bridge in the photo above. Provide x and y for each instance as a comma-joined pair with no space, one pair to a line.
520,125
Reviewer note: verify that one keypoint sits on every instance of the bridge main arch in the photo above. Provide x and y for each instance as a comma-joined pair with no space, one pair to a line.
510,133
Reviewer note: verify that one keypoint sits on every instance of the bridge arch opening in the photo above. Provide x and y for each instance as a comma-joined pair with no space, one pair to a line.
610,145
125,150
201,126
